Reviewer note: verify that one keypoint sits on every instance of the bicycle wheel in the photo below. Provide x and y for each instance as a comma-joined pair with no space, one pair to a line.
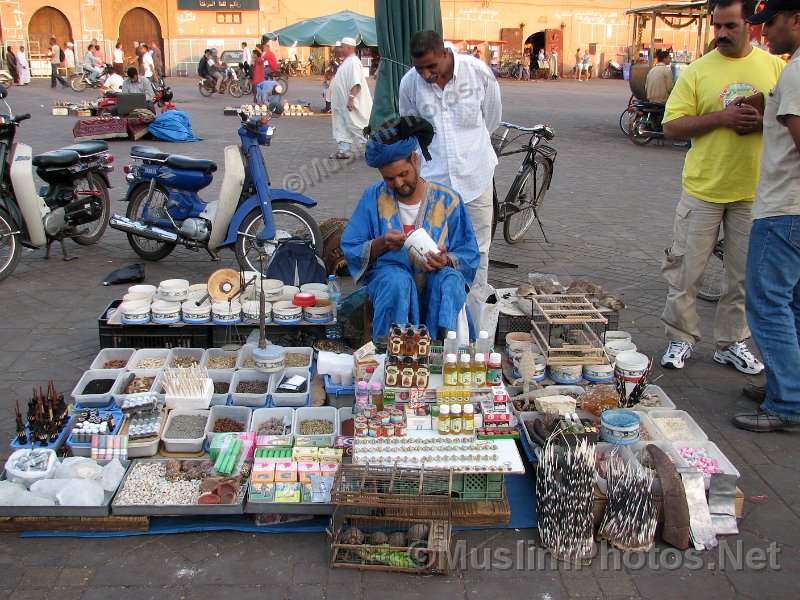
247,85
235,89
711,288
626,118
284,82
525,198
495,208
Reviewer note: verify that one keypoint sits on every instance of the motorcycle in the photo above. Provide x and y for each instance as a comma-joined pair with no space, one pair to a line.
80,81
74,204
250,217
613,70
6,79
289,68
229,83
162,98
646,124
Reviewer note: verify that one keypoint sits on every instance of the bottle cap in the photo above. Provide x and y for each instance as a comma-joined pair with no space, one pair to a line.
451,357
362,385
375,386
451,335
331,277
468,409
479,357
455,409
444,409
495,357
465,358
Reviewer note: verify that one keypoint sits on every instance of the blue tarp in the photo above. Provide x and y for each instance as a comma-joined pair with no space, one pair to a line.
173,126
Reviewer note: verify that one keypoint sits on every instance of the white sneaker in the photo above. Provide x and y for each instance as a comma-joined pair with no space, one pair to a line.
738,355
676,354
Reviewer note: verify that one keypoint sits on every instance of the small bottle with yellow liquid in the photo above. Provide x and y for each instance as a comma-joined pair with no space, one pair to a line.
465,371
479,370
450,371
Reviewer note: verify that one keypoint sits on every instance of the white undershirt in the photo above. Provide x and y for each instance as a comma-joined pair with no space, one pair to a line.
408,213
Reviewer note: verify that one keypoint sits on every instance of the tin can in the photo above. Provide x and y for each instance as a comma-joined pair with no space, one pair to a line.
361,429
374,429
396,416
399,429
383,417
360,420
387,430
370,410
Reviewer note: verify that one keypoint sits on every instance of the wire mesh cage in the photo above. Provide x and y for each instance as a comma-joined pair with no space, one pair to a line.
568,329
364,538
427,490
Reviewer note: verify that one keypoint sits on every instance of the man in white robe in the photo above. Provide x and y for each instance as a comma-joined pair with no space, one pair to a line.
351,101
23,67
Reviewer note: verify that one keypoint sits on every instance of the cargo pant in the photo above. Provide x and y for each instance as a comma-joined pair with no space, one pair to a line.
696,229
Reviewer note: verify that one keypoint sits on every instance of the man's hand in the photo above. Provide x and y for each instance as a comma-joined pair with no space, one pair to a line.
351,103
394,239
434,261
742,118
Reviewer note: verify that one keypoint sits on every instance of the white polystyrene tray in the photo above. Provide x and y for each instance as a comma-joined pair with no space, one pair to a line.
96,400
697,432
713,451
666,403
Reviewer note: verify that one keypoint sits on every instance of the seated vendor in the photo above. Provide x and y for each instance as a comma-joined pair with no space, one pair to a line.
135,84
430,291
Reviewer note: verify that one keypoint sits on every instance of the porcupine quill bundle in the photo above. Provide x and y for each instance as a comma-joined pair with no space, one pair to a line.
627,400
565,489
629,521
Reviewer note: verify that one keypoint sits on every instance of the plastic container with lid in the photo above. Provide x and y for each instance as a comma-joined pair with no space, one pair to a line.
286,313
226,313
270,359
619,426
631,365
304,299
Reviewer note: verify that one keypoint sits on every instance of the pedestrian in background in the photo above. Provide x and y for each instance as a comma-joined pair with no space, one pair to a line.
23,67
11,63
719,182
158,60
54,54
525,67
773,257
463,115
69,59
351,102
257,70
118,59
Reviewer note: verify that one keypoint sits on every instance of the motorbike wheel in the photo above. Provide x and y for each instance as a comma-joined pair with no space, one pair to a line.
625,120
606,74
235,89
290,220
639,134
247,85
146,248
95,229
10,245
205,91
77,83
284,82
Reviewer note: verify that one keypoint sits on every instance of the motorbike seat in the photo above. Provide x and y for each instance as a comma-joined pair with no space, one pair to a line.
56,158
176,161
88,148
148,153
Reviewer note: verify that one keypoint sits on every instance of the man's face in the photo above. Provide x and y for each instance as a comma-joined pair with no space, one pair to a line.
431,65
732,32
134,77
778,33
402,176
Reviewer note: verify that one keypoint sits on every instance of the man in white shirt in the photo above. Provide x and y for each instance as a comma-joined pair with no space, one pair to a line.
461,97
69,59
148,65
351,101
113,83
247,59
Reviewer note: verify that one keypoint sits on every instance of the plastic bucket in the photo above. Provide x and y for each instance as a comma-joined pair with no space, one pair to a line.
631,365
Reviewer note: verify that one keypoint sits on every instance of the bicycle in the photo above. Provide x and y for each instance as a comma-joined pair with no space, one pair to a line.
711,288
524,199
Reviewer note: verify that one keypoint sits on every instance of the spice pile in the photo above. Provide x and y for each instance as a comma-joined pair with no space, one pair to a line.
316,427
150,363
186,427
226,425
222,361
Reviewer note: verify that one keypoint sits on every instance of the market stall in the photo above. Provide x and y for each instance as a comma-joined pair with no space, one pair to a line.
406,442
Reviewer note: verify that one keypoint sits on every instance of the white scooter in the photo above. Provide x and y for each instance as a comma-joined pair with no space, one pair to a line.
75,204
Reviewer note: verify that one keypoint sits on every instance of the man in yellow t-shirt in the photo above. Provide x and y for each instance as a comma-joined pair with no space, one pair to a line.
719,183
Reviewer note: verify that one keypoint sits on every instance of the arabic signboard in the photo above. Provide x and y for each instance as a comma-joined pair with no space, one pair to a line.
219,5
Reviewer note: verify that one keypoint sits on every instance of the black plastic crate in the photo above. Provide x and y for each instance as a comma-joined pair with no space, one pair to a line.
150,335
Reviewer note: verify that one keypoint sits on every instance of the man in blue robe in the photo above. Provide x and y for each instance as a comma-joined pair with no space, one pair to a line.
403,289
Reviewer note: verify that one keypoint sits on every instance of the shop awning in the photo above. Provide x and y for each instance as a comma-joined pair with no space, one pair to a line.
669,9
329,30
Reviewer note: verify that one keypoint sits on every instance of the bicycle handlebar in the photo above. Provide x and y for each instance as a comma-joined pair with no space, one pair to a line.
535,129
23,117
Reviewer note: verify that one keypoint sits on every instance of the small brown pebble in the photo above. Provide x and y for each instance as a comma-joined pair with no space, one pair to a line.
297,359
115,363
226,425
252,387
183,362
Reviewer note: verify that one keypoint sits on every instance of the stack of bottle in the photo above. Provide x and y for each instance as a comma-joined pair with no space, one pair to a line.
408,357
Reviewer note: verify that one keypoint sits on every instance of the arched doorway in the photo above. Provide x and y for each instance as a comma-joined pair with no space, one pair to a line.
550,40
139,25
46,23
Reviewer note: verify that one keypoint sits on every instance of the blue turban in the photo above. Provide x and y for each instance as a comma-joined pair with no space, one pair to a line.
396,140
379,154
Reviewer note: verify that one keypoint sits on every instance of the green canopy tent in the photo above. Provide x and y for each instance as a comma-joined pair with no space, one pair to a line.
329,30
397,21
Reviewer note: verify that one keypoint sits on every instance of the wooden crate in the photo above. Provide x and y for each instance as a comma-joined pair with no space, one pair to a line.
568,329
111,523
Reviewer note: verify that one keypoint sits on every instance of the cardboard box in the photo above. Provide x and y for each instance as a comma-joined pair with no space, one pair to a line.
328,468
305,470
286,472
262,492
305,454
288,492
270,441
331,455
416,421
263,471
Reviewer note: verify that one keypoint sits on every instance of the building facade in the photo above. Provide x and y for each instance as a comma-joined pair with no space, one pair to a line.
183,28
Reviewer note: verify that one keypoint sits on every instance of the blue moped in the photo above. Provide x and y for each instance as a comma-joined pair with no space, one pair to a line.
164,209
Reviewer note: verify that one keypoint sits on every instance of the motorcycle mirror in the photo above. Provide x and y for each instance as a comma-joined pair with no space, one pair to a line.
3,92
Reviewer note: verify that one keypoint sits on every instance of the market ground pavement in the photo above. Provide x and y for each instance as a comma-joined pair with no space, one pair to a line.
608,217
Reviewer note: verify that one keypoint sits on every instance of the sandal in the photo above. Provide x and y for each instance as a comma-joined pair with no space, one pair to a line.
340,156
